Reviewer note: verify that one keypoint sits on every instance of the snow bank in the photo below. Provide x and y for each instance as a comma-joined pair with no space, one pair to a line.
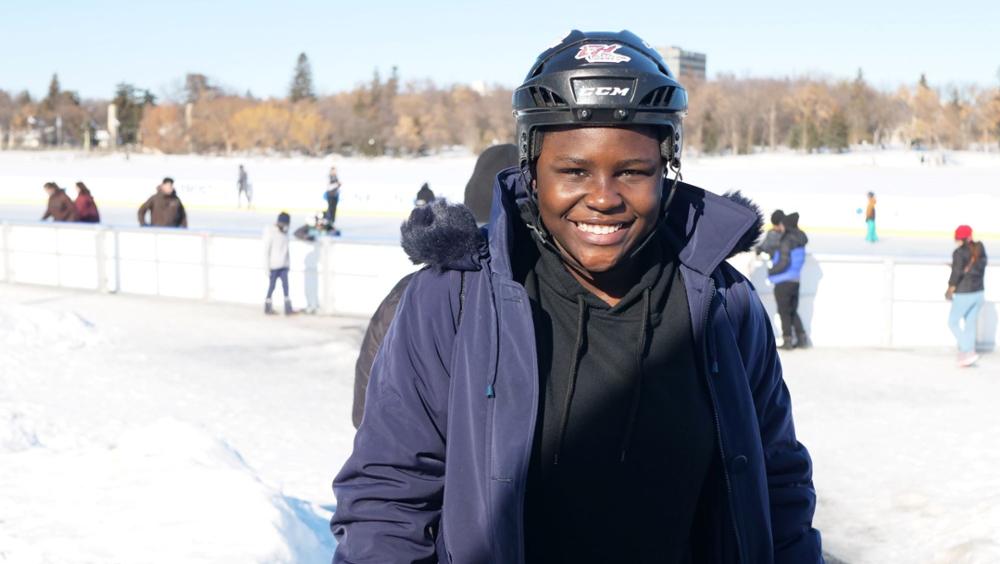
167,492
28,329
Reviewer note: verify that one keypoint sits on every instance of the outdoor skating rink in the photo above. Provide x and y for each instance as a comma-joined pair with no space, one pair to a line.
153,430
140,429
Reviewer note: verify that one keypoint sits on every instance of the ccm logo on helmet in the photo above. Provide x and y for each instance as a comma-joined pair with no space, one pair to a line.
602,91
601,53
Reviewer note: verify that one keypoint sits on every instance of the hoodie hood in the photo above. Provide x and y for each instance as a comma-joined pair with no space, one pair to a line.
479,190
793,235
703,227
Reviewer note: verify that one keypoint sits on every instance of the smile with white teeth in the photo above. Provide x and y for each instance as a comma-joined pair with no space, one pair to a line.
599,229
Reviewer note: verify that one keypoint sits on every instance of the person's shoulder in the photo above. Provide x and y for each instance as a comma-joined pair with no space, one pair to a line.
429,284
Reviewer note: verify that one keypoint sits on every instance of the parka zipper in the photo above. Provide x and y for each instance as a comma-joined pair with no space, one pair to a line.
711,370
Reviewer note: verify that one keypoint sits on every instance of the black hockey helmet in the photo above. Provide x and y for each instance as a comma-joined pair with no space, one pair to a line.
600,79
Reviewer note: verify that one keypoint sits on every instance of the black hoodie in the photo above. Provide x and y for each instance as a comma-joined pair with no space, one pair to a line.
625,426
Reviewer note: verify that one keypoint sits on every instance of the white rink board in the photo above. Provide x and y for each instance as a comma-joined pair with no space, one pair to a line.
845,300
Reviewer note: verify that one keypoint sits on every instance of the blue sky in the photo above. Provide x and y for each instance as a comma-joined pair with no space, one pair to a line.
252,45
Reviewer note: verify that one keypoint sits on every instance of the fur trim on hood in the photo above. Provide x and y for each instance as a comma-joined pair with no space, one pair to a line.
750,238
443,236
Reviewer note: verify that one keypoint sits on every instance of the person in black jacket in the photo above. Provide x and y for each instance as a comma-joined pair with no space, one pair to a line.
788,260
332,196
478,193
424,196
772,239
966,292
479,190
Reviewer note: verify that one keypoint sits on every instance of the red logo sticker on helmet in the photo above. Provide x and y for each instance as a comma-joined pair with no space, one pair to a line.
601,53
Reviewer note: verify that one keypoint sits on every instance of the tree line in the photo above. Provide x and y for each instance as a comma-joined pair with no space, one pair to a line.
385,116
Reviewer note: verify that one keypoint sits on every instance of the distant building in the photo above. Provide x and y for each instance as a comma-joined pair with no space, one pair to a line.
684,64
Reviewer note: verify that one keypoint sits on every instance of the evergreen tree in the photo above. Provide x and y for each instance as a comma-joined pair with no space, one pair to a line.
131,102
302,85
54,88
52,99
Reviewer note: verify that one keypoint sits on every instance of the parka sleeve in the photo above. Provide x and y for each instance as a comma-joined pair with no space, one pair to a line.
374,336
390,491
787,462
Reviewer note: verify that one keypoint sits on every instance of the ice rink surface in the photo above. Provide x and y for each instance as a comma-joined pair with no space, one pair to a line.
919,203
127,423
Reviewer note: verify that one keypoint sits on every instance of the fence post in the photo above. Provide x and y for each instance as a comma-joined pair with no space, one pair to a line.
101,258
205,244
326,295
890,301
156,257
5,228
118,263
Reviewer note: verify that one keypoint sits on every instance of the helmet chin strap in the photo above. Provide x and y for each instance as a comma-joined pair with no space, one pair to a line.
664,206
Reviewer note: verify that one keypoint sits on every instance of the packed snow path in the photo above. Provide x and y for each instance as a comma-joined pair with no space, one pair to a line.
137,429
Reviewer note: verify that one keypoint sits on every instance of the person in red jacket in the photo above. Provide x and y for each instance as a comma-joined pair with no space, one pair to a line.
86,208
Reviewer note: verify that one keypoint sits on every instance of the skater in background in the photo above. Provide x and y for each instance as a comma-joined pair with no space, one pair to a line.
277,261
165,208
871,236
332,196
424,196
60,207
479,189
86,207
785,273
772,239
966,292
243,187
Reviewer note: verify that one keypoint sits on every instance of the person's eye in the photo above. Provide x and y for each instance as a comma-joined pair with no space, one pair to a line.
577,172
636,172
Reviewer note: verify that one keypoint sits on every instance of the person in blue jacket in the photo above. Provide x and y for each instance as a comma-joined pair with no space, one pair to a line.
785,273
586,379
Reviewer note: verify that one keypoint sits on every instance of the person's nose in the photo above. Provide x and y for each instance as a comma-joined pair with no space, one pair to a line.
604,195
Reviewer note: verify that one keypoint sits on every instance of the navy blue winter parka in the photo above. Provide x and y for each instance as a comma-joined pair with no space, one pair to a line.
440,462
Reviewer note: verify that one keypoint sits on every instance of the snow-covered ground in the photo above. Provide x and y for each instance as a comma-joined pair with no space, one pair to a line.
141,430
149,430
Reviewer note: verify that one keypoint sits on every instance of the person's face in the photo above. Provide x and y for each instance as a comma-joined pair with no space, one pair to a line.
167,188
779,228
599,192
49,190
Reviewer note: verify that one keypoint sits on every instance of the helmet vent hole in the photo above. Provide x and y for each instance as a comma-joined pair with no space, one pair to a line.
668,93
546,98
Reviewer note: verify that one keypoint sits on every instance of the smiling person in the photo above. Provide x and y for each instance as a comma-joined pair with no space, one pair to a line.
591,381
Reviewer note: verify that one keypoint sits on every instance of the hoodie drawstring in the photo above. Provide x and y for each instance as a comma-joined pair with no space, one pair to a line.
581,325
640,355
